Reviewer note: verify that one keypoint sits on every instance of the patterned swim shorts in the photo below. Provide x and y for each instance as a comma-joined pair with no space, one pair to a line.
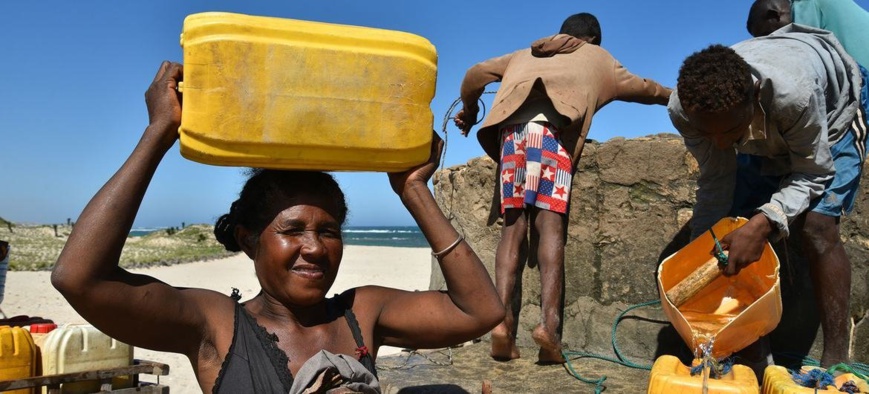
535,169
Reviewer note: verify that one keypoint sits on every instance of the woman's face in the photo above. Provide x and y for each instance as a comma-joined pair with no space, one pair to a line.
299,252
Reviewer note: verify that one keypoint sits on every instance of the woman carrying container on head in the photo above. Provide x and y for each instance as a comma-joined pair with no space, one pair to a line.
289,224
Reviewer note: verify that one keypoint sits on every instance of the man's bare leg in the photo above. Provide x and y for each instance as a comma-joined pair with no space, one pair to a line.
831,278
549,227
513,236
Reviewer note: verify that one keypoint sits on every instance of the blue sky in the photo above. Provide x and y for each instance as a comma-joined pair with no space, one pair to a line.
73,76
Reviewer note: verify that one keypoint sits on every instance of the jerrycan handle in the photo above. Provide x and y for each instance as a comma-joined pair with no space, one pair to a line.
180,87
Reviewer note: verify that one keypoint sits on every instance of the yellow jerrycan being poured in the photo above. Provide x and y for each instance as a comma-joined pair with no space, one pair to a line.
291,94
732,312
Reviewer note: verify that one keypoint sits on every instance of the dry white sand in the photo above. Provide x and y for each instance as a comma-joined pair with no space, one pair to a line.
31,293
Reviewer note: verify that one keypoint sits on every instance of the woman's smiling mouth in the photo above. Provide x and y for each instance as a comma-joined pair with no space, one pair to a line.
309,271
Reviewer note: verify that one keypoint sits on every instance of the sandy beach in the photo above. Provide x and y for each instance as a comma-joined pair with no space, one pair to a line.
31,293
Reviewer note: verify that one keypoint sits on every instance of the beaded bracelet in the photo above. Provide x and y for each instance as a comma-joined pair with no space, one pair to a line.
448,248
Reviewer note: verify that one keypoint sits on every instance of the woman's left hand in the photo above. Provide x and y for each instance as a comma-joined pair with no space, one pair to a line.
421,173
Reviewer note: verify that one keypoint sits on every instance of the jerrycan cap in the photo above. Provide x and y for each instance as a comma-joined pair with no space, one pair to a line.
42,328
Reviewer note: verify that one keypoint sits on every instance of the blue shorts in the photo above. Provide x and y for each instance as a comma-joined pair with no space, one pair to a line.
754,189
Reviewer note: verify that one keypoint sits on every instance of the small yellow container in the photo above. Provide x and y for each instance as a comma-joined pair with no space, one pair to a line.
736,310
291,94
670,376
17,355
777,380
81,347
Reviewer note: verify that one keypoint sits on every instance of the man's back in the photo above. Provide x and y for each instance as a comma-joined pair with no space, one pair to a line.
797,62
568,79
578,78
845,18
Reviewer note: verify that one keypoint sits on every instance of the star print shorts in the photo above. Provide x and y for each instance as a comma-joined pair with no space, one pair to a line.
535,169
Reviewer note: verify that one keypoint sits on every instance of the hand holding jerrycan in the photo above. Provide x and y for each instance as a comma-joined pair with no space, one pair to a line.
732,312
290,94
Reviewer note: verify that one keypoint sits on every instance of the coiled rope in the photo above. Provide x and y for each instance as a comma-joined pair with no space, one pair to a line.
619,359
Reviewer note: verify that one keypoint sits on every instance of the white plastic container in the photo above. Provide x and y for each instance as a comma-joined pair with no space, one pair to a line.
81,347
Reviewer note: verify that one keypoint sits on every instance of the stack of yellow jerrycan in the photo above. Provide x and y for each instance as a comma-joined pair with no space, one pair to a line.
81,347
732,312
17,356
291,94
778,380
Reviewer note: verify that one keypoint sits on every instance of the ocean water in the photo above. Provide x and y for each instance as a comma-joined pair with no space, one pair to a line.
397,236
138,232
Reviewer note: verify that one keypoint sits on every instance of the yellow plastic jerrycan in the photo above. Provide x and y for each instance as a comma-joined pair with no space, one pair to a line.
734,311
291,94
777,380
17,355
670,376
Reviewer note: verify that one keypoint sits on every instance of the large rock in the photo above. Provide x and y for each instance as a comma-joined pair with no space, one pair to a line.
630,204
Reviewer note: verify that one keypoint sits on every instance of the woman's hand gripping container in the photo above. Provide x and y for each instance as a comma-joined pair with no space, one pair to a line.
291,94
732,312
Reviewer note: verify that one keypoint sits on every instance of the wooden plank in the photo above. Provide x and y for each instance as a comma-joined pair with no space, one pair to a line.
693,283
150,389
138,367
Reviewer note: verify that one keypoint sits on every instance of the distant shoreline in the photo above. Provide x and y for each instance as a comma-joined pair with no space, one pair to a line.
37,247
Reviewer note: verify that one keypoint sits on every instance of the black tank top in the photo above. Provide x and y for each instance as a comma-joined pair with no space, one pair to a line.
255,364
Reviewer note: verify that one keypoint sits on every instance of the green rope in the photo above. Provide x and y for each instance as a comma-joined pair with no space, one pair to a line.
848,369
598,384
625,361
620,360
860,370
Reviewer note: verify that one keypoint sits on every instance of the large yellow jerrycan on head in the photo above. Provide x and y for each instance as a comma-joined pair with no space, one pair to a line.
291,94
734,311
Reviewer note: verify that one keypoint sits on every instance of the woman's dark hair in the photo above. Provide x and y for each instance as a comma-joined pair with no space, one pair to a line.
582,25
714,80
261,195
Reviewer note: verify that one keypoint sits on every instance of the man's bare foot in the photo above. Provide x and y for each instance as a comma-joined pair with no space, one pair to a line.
503,344
550,346
487,387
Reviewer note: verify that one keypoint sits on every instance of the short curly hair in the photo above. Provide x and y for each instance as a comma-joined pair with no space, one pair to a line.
714,80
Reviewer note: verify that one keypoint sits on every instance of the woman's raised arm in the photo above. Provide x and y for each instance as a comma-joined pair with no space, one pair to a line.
470,307
135,309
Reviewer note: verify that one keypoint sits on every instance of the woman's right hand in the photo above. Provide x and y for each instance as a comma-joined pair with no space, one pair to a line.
421,173
164,102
